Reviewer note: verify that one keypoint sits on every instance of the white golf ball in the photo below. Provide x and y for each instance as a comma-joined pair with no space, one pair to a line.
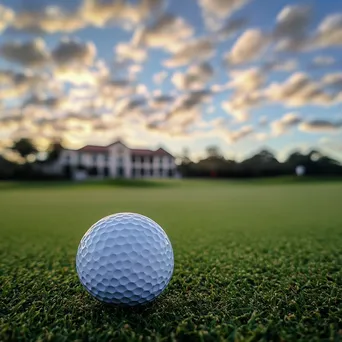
300,170
125,259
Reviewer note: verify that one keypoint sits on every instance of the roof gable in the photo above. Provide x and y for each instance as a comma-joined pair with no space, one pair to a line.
135,151
93,149
145,152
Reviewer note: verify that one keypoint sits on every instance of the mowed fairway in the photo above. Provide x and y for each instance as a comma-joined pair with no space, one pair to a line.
252,261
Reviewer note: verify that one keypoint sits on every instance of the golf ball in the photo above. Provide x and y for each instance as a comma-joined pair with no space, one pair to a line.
125,259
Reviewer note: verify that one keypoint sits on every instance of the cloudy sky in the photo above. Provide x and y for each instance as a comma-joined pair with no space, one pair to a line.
240,74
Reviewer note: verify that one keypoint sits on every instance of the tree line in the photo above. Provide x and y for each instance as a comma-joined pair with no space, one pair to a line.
262,164
214,164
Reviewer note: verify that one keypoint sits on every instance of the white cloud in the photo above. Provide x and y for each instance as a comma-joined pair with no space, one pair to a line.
333,80
293,21
292,31
248,80
285,123
81,75
263,121
211,109
167,32
241,133
6,17
329,32
298,90
130,52
49,102
215,11
292,27
195,78
240,104
14,85
180,115
323,61
51,19
331,144
134,70
286,65
5,77
72,52
261,136
193,51
249,46
142,89
161,101
27,54
230,28
100,13
317,126
160,77
107,94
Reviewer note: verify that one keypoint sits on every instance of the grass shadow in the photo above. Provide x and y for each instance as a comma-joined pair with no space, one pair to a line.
119,183
140,183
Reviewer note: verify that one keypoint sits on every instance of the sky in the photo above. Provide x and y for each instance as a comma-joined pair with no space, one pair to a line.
242,75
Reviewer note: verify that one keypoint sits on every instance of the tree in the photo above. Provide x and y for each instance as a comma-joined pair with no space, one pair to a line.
185,159
185,162
54,151
7,168
24,147
214,152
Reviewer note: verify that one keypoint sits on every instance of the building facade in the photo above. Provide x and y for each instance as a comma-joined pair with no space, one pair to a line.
113,161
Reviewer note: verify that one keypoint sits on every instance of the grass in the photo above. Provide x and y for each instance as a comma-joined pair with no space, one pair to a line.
261,262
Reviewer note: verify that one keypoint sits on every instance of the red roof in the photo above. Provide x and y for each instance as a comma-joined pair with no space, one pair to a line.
144,152
141,152
93,149
162,152
135,151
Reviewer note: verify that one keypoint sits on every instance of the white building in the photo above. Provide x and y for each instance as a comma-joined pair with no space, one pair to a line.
112,161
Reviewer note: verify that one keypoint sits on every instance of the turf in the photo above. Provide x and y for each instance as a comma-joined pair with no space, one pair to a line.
252,262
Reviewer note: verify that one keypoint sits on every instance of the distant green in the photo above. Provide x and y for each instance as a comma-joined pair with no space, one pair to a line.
254,260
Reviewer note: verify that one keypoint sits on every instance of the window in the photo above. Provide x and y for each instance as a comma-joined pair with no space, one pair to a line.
80,159
133,172
151,160
67,158
120,171
93,171
94,158
120,161
151,172
171,160
161,160
171,173
67,171
161,171
142,159
106,171
106,157
142,172
133,159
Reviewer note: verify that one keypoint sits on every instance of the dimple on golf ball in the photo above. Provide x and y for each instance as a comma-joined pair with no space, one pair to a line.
125,259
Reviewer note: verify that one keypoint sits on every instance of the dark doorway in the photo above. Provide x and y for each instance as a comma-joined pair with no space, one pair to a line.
106,171
120,171
67,171
93,171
